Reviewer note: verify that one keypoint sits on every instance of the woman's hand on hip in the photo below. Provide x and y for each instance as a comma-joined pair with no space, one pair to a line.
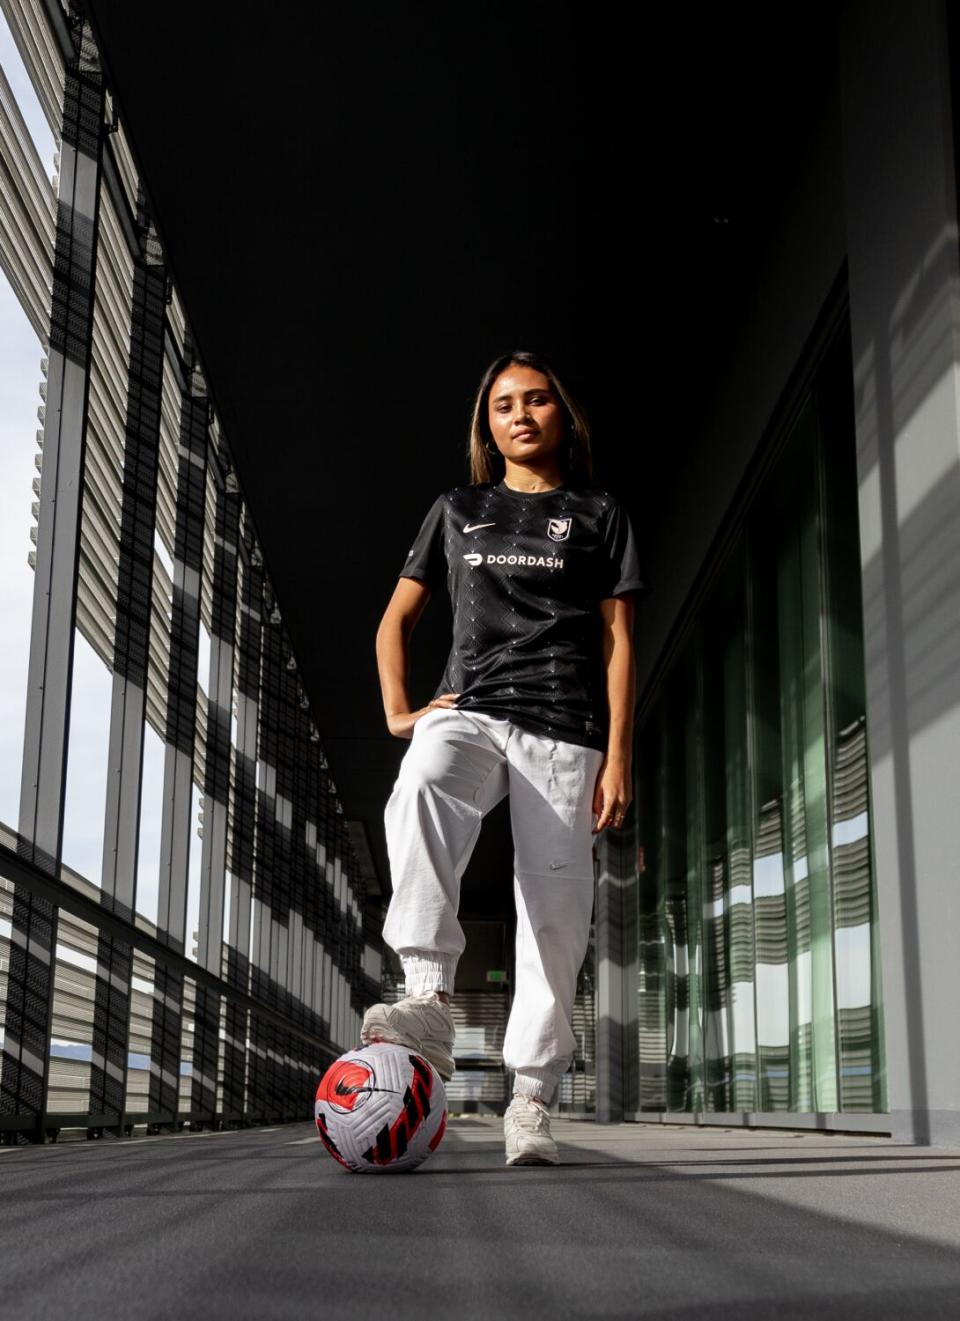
612,794
402,722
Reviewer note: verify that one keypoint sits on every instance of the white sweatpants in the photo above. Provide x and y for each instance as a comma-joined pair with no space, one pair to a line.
459,765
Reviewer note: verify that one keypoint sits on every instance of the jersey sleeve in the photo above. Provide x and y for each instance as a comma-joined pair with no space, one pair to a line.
622,571
426,560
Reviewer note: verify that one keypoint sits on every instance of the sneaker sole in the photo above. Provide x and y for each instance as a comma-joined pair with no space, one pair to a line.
376,1028
529,1159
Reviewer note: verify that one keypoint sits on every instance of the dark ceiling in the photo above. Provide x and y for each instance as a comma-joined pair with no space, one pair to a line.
363,204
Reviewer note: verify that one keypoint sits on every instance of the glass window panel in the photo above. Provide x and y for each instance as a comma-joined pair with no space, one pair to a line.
679,862
151,825
86,794
738,899
692,801
778,1057
651,1019
718,1033
806,859
758,971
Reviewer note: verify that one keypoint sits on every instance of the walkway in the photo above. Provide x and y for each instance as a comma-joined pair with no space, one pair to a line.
638,1222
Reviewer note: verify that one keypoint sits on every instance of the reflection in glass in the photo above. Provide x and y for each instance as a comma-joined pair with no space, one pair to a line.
854,917
651,996
759,986
738,897
778,1063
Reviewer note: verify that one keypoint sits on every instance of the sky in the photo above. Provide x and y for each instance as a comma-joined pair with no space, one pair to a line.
20,377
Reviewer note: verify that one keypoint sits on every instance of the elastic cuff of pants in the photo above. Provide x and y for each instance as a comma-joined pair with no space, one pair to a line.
428,972
539,1083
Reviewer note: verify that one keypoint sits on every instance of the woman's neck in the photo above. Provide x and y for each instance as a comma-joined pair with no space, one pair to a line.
529,482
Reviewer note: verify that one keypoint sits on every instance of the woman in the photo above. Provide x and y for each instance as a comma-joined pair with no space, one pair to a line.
536,701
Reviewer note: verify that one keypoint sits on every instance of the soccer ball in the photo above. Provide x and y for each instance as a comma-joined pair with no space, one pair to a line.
381,1108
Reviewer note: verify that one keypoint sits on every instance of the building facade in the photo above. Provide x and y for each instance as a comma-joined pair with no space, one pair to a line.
182,910
778,928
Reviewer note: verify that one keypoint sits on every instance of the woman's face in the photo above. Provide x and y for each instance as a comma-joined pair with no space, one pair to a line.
524,413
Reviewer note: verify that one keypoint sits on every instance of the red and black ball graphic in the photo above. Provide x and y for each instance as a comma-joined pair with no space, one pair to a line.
347,1085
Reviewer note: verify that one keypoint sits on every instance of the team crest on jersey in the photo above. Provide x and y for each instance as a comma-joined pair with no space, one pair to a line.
558,529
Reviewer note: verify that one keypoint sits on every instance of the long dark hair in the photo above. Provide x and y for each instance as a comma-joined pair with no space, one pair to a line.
486,461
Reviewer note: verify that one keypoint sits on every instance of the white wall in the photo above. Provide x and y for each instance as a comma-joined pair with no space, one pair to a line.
904,266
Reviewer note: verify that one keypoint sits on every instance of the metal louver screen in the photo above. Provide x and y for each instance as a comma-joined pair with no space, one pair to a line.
106,421
162,605
28,198
28,215
35,41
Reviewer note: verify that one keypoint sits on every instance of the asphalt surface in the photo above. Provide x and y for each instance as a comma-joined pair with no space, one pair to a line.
638,1221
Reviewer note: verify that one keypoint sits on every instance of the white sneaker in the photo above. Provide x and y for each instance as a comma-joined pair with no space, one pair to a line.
422,1022
526,1128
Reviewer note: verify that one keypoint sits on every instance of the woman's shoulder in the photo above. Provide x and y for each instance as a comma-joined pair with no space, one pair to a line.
466,493
600,496
453,495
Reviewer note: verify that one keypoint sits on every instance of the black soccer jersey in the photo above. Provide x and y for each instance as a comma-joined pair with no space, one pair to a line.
526,572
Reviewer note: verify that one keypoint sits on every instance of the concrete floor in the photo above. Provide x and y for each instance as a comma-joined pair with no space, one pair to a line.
637,1222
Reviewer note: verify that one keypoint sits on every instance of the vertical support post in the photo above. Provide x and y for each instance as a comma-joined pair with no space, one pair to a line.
266,890
166,1032
131,655
216,788
206,1044
180,734
216,791
182,678
135,577
242,841
243,836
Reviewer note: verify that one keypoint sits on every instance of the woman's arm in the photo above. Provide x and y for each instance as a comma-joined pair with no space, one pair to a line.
400,618
614,788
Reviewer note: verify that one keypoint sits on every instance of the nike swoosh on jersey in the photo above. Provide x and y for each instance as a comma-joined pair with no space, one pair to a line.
472,527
